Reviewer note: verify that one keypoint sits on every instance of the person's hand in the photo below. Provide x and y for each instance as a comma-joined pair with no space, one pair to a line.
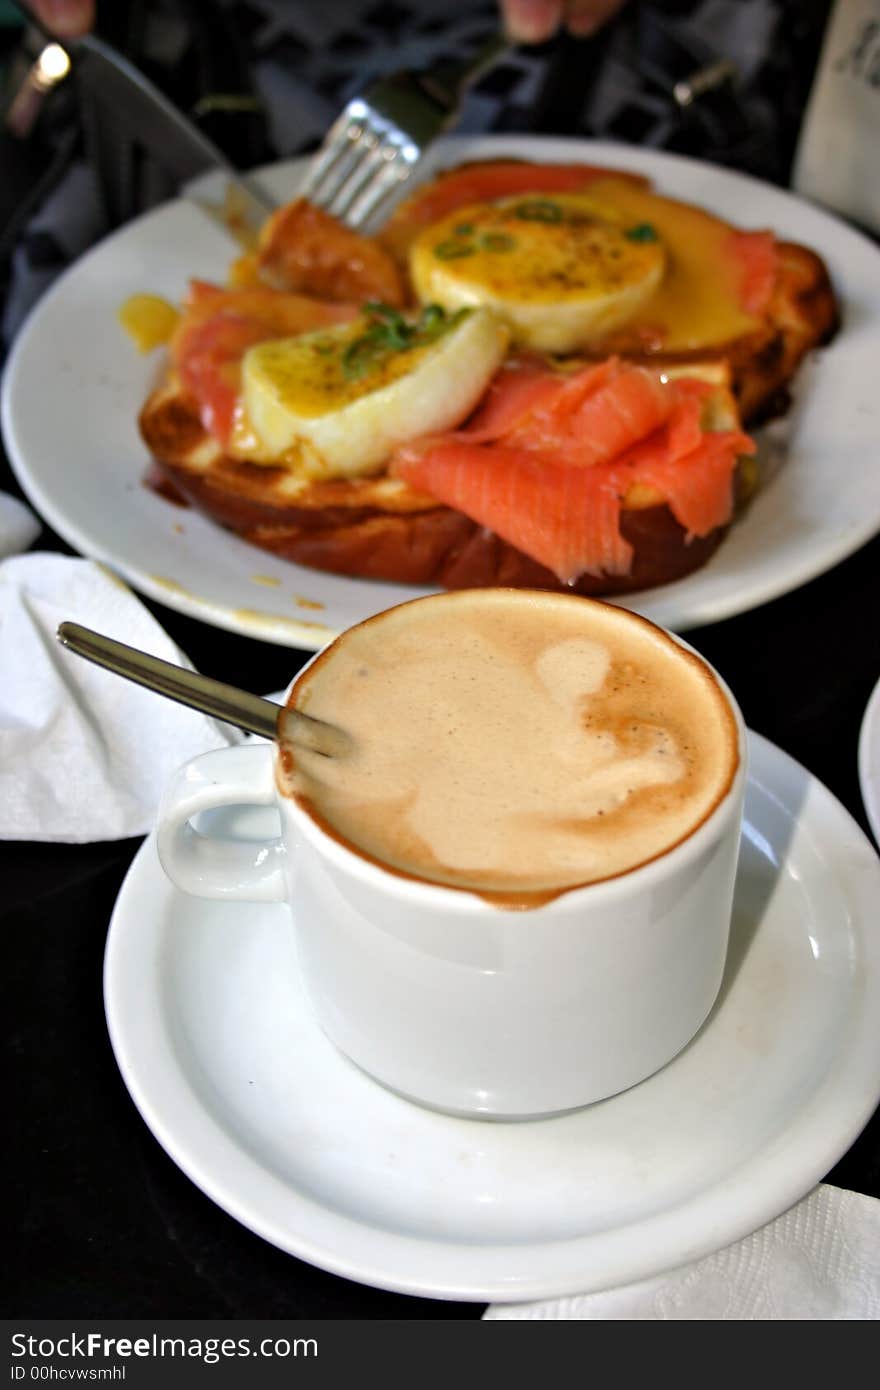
66,19
534,21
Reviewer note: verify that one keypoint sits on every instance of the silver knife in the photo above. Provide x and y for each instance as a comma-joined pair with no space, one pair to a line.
156,123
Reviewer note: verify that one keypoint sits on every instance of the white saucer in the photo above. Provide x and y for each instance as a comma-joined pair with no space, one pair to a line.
869,761
220,1053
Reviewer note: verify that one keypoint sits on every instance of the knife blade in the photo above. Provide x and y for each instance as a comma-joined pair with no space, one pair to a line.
156,123
153,120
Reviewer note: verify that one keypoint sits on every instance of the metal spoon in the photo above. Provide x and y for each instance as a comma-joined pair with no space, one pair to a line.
213,697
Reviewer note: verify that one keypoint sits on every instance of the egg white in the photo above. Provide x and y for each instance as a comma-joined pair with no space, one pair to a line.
559,284
351,431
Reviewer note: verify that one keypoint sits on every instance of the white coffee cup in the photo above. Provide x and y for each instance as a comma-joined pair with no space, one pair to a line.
459,1002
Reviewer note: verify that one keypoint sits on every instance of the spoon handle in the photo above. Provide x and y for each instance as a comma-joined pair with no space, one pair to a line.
213,697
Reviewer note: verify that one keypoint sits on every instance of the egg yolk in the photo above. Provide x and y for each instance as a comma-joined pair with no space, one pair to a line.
540,250
318,373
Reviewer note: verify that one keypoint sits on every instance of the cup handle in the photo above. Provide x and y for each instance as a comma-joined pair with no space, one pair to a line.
207,866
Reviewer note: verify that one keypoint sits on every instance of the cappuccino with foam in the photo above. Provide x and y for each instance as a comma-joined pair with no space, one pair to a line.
515,744
509,750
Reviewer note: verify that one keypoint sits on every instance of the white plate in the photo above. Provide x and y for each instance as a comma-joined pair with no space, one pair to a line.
869,761
221,1054
74,385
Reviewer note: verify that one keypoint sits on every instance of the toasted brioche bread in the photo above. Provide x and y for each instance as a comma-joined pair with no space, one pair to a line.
382,528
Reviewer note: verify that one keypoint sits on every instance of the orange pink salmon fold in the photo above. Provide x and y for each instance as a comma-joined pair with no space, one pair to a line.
757,259
548,460
216,328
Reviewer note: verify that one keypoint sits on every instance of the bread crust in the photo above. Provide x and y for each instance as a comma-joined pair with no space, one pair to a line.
381,528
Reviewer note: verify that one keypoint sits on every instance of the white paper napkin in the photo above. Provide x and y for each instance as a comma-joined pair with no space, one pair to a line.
819,1261
84,754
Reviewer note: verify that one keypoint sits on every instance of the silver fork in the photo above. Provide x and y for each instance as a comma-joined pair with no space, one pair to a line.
375,143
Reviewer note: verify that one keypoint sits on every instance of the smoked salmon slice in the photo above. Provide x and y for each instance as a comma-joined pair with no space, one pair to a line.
566,517
757,264
698,485
598,413
548,461
586,418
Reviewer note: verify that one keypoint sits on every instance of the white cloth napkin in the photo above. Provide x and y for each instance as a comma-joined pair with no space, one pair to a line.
836,157
19,527
84,754
819,1261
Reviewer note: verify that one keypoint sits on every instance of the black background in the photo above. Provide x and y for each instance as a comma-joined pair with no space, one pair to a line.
102,1222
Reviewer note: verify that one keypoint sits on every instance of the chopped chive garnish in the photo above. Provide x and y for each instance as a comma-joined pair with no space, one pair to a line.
643,231
453,250
388,332
378,310
388,323
496,241
538,210
358,357
431,317
464,229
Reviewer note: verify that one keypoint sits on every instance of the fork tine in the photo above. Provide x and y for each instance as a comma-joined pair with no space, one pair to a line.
322,191
358,172
381,151
395,171
336,144
333,162
379,138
